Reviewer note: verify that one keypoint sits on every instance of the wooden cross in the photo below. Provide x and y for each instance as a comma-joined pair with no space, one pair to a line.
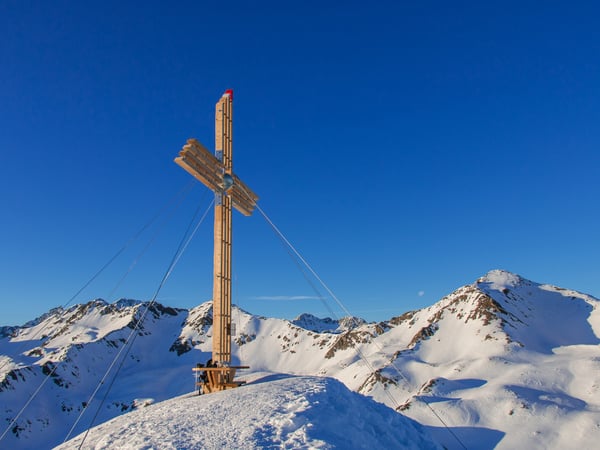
216,172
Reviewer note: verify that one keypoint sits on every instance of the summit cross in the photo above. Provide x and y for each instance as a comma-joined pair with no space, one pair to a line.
216,172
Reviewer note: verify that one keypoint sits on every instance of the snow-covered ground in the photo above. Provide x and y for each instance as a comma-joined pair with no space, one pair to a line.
503,362
274,411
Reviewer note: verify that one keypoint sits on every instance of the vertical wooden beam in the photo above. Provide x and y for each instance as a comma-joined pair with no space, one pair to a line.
223,236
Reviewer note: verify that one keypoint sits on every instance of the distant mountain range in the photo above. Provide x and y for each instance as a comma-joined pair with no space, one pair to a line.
502,362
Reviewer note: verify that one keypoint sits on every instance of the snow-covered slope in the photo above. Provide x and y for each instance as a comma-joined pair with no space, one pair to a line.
503,362
75,348
507,361
272,412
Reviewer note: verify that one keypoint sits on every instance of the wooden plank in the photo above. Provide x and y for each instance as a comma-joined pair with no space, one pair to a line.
222,251
197,166
196,149
192,169
217,369
242,204
244,200
244,189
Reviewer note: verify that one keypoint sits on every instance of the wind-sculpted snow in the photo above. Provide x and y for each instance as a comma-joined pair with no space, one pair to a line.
273,412
505,362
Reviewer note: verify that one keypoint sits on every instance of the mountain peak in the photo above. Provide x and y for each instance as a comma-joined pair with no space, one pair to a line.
327,324
125,302
499,279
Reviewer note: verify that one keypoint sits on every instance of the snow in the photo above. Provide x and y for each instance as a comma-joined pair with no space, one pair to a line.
500,279
275,411
504,362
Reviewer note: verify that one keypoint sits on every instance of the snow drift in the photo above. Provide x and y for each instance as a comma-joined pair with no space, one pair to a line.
274,412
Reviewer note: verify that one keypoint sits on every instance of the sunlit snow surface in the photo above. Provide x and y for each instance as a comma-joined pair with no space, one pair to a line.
275,411
504,363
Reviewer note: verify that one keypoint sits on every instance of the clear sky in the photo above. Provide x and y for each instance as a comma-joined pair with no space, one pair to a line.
404,148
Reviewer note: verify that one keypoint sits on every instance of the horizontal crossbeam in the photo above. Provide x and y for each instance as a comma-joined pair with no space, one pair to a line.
205,167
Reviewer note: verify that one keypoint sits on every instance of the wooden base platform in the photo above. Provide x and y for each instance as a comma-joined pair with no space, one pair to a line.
218,378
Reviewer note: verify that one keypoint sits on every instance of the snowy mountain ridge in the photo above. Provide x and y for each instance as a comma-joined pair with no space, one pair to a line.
505,361
316,324
313,412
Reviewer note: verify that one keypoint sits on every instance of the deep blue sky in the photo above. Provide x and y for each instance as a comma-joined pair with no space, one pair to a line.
404,148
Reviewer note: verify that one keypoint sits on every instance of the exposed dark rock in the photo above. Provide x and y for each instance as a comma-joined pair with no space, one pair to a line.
423,333
398,320
347,340
181,346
